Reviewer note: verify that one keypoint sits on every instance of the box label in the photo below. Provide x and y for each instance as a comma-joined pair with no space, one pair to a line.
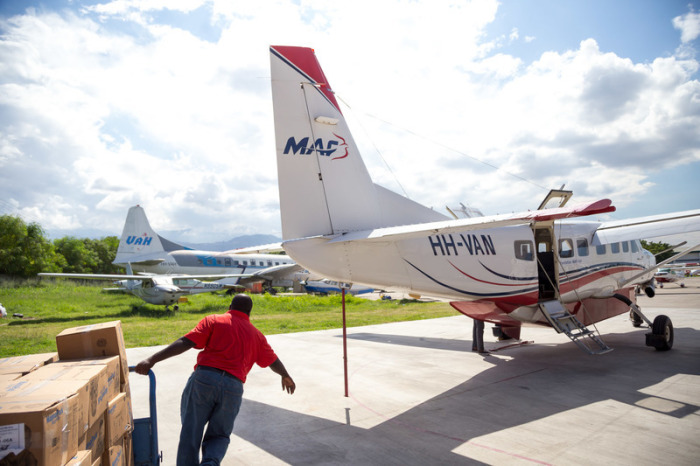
11,439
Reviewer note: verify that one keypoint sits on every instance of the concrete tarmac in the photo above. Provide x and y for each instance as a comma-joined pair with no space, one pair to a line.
418,395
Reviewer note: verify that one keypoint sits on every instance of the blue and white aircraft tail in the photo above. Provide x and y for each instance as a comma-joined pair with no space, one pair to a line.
145,251
140,244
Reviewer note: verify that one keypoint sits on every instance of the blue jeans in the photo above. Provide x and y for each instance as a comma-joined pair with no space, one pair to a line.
212,398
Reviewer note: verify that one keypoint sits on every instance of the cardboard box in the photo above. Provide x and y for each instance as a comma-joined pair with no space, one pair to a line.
112,363
82,458
117,419
101,375
114,456
90,341
17,366
94,439
26,390
40,429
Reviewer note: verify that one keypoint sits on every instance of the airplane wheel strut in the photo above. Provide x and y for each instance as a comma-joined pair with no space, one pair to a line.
661,336
636,320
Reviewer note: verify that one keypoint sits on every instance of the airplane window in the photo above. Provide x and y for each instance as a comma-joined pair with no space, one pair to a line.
600,249
523,250
277,263
566,248
269,263
227,262
625,246
235,263
634,246
245,262
582,246
615,248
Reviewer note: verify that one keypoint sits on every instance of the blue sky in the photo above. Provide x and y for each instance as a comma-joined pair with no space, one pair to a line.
166,104
639,30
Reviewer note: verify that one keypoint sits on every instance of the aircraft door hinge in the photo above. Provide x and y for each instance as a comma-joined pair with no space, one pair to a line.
320,177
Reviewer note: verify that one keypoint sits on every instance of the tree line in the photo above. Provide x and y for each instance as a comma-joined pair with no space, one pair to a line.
25,251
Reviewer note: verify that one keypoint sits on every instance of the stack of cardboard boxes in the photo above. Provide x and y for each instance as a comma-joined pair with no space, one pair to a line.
72,407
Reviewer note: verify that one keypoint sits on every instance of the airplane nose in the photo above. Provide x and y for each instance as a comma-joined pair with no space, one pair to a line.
167,289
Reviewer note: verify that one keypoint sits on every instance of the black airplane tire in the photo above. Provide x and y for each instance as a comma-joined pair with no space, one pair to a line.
663,327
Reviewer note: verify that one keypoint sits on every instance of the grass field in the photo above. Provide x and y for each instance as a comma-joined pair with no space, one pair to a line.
49,307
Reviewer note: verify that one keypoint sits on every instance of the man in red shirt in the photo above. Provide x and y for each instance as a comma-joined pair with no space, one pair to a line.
230,346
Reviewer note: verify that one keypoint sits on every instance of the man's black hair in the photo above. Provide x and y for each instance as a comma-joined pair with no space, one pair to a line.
242,302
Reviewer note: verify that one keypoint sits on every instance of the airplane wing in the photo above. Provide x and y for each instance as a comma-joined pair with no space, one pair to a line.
660,264
477,223
147,262
271,273
141,277
97,276
647,227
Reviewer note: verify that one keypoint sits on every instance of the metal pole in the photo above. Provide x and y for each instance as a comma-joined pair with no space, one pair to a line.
345,347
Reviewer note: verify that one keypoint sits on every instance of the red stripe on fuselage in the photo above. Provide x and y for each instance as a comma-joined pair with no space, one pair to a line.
567,286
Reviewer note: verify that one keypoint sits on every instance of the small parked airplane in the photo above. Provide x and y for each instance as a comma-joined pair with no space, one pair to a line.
326,286
528,268
154,289
670,275
146,251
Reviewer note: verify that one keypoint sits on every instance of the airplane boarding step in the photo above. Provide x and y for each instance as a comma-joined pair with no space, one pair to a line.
565,322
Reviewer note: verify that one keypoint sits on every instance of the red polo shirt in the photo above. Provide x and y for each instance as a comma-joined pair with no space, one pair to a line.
231,343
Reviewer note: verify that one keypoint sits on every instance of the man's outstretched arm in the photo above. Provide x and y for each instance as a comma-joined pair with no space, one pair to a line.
287,382
179,346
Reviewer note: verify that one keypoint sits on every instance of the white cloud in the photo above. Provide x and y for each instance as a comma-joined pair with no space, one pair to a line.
689,25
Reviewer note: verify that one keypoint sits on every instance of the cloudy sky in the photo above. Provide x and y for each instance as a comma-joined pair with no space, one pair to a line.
167,104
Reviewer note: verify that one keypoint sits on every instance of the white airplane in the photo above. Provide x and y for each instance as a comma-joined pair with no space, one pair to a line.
163,290
669,275
146,251
530,268
326,286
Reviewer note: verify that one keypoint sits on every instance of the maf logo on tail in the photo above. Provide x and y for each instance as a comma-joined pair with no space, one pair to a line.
303,148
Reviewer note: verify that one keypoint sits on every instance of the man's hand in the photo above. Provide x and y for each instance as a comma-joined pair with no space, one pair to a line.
288,384
143,367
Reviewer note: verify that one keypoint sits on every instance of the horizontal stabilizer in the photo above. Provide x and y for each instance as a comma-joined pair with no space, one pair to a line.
262,248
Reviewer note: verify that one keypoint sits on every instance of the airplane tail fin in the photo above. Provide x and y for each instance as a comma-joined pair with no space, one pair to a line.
139,243
324,186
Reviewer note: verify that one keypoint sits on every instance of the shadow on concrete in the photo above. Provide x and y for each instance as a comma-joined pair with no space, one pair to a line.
539,381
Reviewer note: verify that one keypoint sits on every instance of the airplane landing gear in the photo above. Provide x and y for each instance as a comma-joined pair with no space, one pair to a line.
636,320
661,336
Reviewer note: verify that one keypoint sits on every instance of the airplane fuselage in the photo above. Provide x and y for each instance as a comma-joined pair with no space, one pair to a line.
498,266
205,262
